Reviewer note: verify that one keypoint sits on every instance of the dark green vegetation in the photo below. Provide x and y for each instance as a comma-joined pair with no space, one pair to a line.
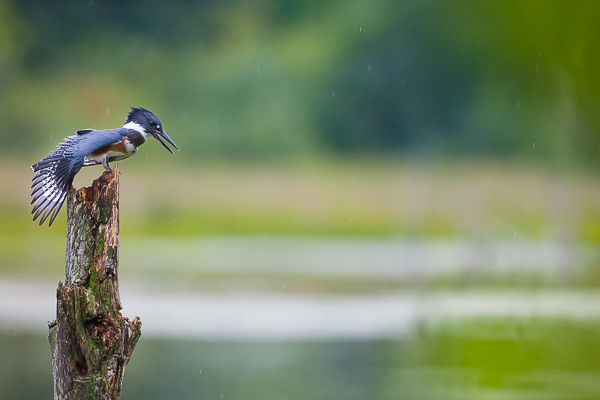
501,358
278,78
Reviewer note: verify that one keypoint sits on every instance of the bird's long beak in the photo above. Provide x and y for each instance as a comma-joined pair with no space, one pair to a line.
159,135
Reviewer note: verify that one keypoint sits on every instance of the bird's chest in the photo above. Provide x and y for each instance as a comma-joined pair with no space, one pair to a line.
125,146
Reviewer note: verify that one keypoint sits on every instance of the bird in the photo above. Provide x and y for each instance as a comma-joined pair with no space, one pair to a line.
54,174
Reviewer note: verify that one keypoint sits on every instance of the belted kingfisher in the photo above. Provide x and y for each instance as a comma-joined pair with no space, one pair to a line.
54,173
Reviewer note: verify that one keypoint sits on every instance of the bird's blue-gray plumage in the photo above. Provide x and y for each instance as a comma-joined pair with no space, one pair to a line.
54,174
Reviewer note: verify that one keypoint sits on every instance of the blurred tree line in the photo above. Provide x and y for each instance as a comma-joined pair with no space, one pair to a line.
280,78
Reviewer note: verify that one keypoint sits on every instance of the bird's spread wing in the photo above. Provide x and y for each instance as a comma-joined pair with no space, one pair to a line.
54,174
53,177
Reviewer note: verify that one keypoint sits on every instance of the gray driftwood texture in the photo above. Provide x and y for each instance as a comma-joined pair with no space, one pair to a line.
91,341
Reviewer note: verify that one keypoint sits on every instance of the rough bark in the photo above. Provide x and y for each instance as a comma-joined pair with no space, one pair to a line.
91,341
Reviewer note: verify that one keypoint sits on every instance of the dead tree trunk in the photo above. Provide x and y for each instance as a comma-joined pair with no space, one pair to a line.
91,341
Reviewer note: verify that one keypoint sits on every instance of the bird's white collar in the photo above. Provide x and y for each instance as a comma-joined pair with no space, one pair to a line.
136,127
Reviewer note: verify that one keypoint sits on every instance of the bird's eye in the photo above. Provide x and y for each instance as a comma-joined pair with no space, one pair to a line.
153,124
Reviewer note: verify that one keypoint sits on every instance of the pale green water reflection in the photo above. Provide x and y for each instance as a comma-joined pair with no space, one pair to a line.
482,358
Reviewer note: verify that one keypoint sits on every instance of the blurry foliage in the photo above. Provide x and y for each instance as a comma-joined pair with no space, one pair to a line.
518,355
273,78
350,197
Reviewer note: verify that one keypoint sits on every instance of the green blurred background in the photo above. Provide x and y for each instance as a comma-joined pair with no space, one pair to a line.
270,80
447,146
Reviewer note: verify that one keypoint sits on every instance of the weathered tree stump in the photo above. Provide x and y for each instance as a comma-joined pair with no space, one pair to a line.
91,341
